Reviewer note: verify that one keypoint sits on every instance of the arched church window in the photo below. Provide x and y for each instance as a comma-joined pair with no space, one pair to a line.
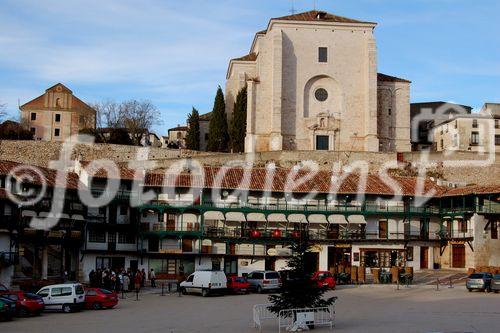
321,94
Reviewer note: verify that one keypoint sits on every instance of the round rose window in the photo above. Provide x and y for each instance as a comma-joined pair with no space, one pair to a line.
321,94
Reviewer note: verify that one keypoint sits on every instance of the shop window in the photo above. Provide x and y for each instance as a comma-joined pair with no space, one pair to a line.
409,253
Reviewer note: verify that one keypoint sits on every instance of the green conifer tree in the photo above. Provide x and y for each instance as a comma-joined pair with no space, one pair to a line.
218,137
300,291
238,126
193,133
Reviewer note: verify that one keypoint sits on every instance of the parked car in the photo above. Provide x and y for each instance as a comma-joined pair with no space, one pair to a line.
324,279
205,283
495,283
98,298
7,309
67,297
26,303
238,284
261,281
479,281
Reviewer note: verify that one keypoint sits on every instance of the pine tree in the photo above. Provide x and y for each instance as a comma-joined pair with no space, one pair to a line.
218,136
300,291
238,126
193,133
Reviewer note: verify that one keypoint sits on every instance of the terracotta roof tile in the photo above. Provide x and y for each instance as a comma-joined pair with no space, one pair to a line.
38,175
388,78
323,16
473,189
248,57
284,180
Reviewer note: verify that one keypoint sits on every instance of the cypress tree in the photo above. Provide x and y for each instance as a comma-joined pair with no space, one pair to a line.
193,133
218,137
238,127
301,291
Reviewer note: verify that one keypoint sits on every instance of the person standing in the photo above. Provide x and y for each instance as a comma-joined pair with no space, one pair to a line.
143,276
152,277
137,281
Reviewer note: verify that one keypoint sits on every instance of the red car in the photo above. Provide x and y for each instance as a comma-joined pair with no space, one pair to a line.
26,304
324,279
98,298
238,284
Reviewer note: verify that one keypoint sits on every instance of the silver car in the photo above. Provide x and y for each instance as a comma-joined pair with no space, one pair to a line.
495,283
261,281
479,281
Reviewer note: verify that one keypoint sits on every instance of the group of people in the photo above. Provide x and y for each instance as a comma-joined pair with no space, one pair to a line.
124,280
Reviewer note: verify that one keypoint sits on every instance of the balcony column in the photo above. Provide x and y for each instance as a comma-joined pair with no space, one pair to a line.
45,263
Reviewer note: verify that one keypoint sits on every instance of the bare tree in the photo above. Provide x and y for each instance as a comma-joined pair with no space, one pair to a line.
2,111
135,117
138,118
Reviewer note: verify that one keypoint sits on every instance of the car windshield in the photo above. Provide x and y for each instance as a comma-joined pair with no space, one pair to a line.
496,276
240,279
79,289
272,275
476,276
31,296
106,292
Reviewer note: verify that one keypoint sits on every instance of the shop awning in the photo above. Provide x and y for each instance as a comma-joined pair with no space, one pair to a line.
257,217
276,217
213,215
297,218
337,219
317,218
235,216
356,219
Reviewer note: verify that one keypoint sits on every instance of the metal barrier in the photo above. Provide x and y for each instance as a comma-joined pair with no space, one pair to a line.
297,319
260,313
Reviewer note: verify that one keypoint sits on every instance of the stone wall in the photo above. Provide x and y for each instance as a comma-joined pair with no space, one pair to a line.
465,172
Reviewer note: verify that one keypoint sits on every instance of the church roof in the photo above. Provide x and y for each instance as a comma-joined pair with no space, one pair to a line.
206,116
248,57
388,78
318,16
39,102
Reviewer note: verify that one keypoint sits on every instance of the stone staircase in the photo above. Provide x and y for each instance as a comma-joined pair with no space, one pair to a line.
430,277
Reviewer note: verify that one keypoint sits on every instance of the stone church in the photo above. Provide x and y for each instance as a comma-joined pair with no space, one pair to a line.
313,84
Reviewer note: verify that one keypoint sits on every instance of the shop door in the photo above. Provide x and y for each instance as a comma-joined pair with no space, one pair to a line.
458,253
424,257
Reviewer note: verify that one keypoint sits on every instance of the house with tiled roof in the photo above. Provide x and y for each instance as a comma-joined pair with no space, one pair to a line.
57,114
313,84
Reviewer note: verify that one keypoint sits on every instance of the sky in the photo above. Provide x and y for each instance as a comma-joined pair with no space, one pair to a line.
175,53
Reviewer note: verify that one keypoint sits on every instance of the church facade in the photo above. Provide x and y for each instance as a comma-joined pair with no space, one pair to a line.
313,84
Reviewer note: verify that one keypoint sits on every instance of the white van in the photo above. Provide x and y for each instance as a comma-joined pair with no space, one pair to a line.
66,297
205,283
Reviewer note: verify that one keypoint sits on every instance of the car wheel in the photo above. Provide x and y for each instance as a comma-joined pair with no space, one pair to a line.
66,308
96,306
469,289
23,312
259,290
183,291
496,291
204,292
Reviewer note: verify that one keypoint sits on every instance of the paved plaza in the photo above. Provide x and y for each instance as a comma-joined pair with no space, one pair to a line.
359,309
